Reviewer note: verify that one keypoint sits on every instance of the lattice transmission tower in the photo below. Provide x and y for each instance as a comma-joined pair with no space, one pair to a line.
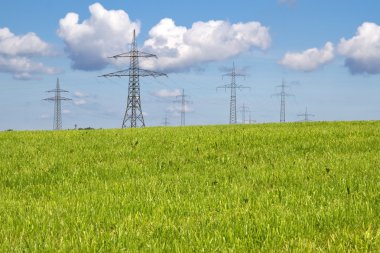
283,94
57,124
184,102
133,116
166,120
233,86
306,116
244,111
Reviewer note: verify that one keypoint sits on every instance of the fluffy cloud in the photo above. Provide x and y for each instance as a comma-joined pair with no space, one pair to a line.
26,45
310,59
362,51
23,68
181,48
105,33
79,94
164,93
177,109
16,53
108,32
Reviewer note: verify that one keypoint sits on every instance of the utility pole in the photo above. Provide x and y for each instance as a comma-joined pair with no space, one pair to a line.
233,86
283,94
133,116
57,124
306,116
183,102
244,109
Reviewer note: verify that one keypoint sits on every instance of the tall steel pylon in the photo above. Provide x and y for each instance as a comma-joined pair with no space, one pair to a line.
133,116
57,124
183,102
233,86
306,116
283,94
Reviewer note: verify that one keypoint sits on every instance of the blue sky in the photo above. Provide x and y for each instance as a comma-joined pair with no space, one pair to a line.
330,48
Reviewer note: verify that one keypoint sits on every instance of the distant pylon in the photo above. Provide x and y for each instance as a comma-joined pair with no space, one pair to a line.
166,120
57,124
233,86
283,94
306,116
244,109
183,102
133,116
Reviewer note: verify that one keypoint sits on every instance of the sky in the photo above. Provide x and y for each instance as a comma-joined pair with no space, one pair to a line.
327,52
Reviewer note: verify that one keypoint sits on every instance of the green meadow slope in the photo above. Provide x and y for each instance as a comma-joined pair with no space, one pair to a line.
298,187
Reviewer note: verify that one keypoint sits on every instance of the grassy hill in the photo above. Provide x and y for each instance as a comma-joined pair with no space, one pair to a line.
299,187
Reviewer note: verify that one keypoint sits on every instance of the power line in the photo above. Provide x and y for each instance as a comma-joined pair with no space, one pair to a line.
283,94
306,116
183,102
57,123
133,116
233,86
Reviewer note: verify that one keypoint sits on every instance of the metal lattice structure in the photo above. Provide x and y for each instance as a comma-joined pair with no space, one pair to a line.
183,102
57,124
244,110
283,94
306,116
133,116
233,86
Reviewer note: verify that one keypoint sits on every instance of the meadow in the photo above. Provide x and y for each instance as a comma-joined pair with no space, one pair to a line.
294,187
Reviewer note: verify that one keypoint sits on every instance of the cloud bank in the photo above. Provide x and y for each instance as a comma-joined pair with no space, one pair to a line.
108,32
16,53
180,48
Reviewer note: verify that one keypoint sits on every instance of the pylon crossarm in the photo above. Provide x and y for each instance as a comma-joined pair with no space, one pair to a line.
56,98
134,54
57,90
140,72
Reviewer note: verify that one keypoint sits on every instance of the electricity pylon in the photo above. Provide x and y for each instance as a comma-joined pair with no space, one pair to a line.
133,116
166,120
183,102
306,116
244,109
233,86
283,94
57,124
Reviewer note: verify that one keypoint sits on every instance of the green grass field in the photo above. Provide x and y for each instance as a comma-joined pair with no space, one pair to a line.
298,187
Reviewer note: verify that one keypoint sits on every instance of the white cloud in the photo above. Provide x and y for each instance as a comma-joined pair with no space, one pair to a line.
164,93
26,45
24,68
16,52
80,94
105,33
362,51
180,48
65,111
177,109
80,101
310,59
108,32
